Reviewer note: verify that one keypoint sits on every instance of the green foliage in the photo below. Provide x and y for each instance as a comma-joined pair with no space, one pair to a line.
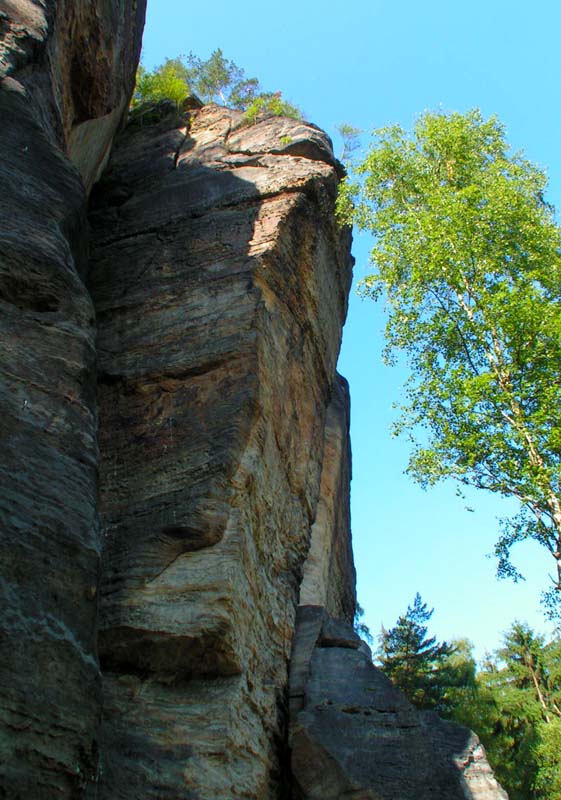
468,256
216,80
360,627
270,104
513,703
548,760
513,706
417,664
351,139
168,81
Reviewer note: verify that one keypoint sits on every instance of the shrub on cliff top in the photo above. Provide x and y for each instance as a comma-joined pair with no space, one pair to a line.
216,80
167,81
270,104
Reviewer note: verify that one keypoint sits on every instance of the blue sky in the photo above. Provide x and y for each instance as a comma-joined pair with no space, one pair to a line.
373,63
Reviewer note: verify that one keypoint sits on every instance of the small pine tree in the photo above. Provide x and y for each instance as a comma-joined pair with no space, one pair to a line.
411,659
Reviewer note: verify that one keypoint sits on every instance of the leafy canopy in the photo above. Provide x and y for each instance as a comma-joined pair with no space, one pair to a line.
467,254
167,81
219,80
351,139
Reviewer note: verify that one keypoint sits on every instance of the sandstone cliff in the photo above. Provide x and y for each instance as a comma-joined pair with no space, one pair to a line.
66,74
220,283
329,575
176,460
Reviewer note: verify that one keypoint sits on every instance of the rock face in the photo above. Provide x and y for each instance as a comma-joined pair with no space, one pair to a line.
220,284
329,577
64,75
73,64
461,748
354,735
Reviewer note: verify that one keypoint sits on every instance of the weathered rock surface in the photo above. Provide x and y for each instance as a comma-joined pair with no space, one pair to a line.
74,63
329,576
467,754
354,735
63,76
220,284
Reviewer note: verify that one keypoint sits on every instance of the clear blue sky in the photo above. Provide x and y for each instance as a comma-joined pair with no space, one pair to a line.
372,63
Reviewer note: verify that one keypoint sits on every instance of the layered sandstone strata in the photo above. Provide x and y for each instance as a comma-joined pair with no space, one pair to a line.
66,73
219,279
220,282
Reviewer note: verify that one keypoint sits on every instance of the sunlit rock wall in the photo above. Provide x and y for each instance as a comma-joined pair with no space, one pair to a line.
329,577
220,282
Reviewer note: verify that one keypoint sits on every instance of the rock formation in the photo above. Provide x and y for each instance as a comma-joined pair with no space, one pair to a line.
354,735
329,575
220,283
176,461
66,75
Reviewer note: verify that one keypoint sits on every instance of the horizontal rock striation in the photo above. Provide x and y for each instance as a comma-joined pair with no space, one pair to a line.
220,283
65,68
354,735
219,279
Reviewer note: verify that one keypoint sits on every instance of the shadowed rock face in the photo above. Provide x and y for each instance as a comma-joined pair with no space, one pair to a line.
74,62
354,735
220,284
66,69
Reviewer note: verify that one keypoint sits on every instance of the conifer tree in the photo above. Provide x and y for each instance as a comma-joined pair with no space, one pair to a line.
412,659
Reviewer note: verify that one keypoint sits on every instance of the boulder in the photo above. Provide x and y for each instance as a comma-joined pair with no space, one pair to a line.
355,735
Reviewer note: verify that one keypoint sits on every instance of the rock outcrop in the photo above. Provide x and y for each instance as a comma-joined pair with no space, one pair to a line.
67,70
176,458
354,735
66,73
220,283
